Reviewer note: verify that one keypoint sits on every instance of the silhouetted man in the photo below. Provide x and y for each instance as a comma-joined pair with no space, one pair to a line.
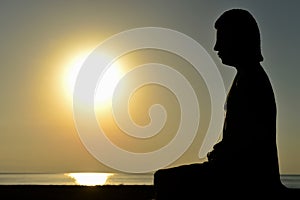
246,158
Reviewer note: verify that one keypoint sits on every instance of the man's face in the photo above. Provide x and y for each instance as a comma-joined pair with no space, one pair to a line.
226,47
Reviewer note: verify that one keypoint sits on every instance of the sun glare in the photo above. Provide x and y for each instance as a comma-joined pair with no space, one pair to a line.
72,72
107,83
90,179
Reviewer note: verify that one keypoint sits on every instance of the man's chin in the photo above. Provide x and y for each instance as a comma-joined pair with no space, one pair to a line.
227,62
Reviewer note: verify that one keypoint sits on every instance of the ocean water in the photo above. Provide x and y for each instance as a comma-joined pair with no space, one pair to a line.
87,179
92,179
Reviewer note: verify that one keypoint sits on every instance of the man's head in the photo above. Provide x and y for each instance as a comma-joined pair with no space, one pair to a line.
238,38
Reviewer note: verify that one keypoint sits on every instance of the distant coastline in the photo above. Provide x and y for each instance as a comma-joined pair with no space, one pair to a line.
289,180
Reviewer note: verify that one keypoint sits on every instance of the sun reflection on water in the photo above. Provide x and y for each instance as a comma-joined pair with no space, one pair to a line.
90,179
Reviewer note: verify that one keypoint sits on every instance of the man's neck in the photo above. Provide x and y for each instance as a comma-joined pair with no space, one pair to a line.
247,67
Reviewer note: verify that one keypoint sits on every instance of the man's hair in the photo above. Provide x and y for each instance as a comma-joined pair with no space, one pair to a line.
244,30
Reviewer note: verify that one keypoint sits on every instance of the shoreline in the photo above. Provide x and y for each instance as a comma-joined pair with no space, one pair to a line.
103,192
76,192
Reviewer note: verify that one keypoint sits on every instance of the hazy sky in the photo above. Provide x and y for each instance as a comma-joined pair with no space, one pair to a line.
41,41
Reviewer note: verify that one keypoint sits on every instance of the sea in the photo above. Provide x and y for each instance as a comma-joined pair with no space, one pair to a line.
82,178
98,179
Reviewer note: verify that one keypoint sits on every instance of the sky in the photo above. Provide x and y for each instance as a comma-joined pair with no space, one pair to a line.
42,42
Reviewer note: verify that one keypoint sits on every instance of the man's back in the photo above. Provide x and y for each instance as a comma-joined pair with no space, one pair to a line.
249,134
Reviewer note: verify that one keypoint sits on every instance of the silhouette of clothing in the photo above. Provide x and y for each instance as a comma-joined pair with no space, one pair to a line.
246,158
249,144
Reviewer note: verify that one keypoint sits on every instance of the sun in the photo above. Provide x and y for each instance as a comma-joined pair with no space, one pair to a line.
108,82
71,72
